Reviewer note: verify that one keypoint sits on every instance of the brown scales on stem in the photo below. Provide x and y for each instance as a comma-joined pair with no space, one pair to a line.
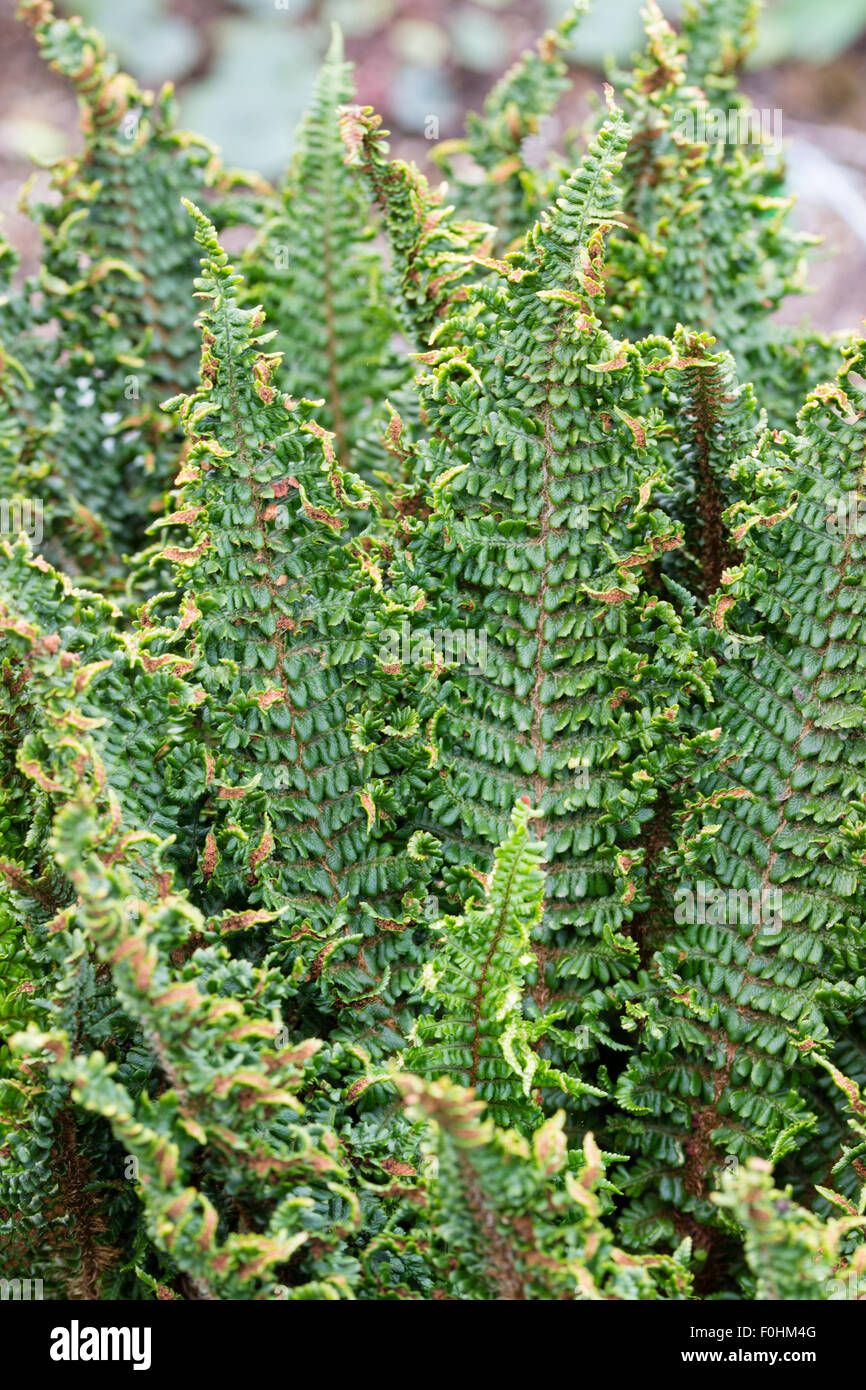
78,1201
706,399
656,837
499,1255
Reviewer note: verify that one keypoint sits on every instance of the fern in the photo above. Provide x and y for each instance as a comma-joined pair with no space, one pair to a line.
542,472
745,988
717,36
511,193
521,1221
789,1252
116,269
431,250
280,630
478,1035
322,287
689,170
433,814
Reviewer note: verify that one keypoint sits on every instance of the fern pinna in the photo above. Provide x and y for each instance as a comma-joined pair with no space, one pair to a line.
433,817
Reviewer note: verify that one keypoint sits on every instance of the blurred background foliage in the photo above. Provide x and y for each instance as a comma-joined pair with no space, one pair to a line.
243,70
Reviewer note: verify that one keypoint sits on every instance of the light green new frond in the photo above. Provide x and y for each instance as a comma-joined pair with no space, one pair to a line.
786,364
792,1254
478,1033
854,1146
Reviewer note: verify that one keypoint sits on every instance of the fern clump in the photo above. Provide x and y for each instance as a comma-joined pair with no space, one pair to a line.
433,812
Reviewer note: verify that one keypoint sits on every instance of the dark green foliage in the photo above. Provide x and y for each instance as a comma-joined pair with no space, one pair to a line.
277,624
536,551
776,959
474,761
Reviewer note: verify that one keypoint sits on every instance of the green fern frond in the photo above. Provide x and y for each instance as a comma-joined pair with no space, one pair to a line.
718,35
705,241
478,1034
281,629
520,1215
511,193
322,286
791,1253
766,949
116,269
433,254
544,473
